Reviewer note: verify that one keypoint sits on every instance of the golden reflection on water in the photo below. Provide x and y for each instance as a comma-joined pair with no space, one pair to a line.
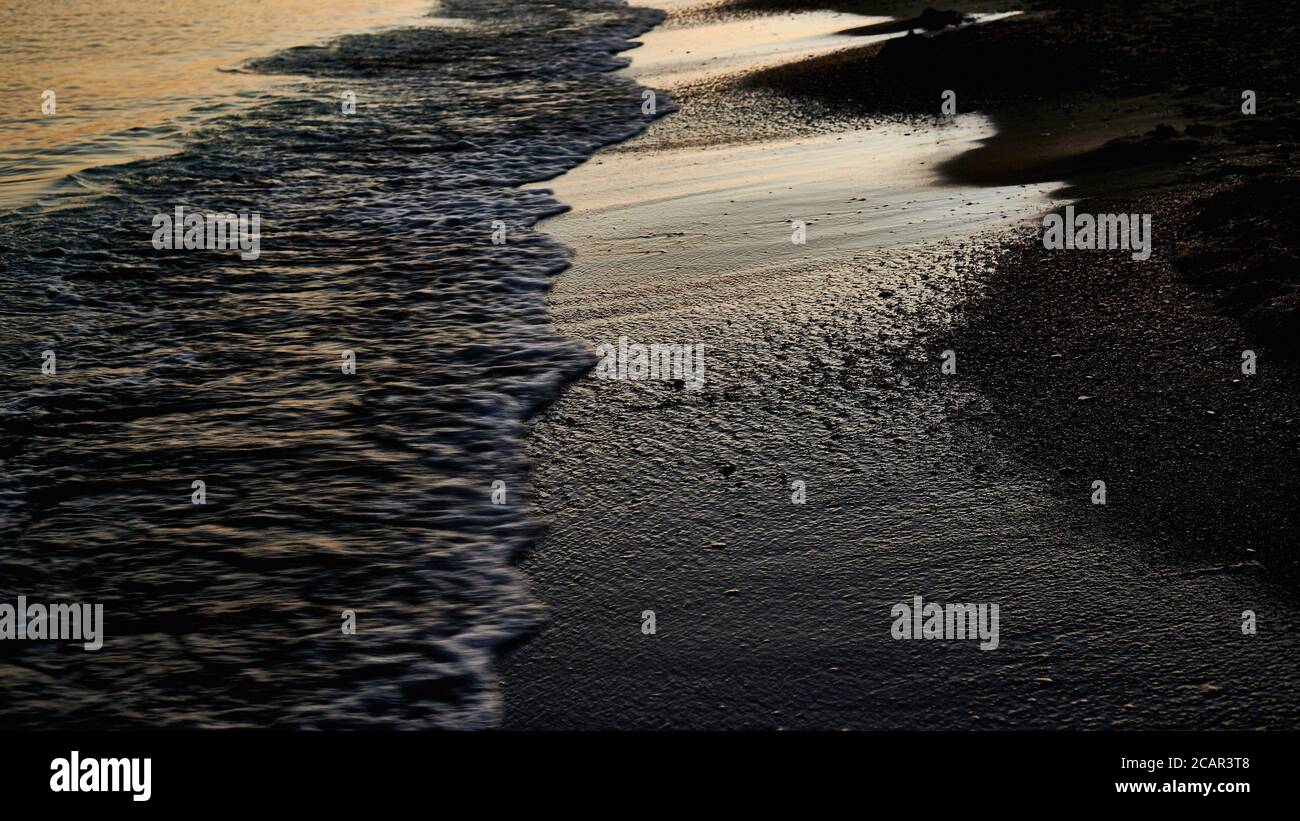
128,74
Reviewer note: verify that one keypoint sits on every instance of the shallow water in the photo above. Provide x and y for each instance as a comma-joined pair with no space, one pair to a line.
696,52
127,81
325,491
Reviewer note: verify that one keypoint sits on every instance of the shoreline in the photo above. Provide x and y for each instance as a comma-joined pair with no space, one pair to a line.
774,614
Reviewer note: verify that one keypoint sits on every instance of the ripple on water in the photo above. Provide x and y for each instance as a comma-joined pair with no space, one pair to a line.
325,492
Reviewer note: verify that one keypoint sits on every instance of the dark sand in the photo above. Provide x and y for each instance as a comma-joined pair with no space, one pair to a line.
1140,113
975,488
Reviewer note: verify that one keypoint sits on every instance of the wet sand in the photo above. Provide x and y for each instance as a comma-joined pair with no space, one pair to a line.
821,366
1140,111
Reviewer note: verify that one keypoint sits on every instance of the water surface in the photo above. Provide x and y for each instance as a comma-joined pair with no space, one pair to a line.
325,492
129,77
